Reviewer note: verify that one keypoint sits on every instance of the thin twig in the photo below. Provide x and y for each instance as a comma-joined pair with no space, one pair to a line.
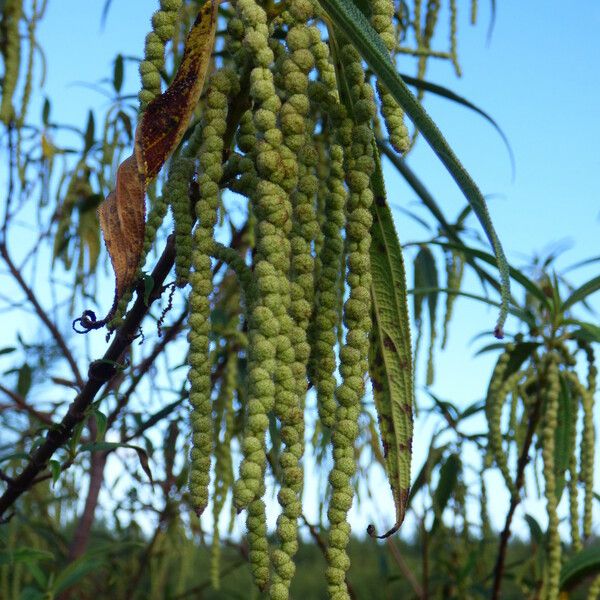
144,366
100,372
21,403
84,525
404,568
41,313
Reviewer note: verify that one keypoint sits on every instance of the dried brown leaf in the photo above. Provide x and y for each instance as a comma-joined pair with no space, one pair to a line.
122,219
166,118
161,128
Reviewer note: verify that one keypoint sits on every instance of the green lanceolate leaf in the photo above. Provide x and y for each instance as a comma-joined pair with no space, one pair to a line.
518,356
24,380
582,565
444,92
426,277
350,20
111,446
118,73
535,531
447,482
390,359
55,469
581,293
588,332
88,136
434,457
564,435
75,572
23,554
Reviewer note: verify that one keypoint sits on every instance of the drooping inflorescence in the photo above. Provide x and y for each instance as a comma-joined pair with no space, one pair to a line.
382,12
298,145
12,12
164,21
223,434
214,124
286,121
548,403
549,423
356,138
264,147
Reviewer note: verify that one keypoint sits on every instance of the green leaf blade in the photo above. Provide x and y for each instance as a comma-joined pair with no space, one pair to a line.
390,356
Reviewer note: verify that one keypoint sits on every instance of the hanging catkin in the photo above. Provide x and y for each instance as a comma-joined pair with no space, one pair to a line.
163,29
500,386
357,138
223,463
453,43
382,12
214,117
589,438
11,16
573,481
550,421
326,320
31,26
269,327
177,195
289,401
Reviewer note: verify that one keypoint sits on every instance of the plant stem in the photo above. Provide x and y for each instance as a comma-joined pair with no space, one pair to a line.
515,499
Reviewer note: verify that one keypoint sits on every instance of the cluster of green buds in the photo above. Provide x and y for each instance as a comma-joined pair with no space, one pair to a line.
286,121
307,236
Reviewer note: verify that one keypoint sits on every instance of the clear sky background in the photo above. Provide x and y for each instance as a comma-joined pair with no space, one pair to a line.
538,78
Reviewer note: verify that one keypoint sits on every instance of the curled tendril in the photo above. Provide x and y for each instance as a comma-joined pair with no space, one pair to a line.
88,321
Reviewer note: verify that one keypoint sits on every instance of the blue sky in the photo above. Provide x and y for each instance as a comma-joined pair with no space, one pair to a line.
537,77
